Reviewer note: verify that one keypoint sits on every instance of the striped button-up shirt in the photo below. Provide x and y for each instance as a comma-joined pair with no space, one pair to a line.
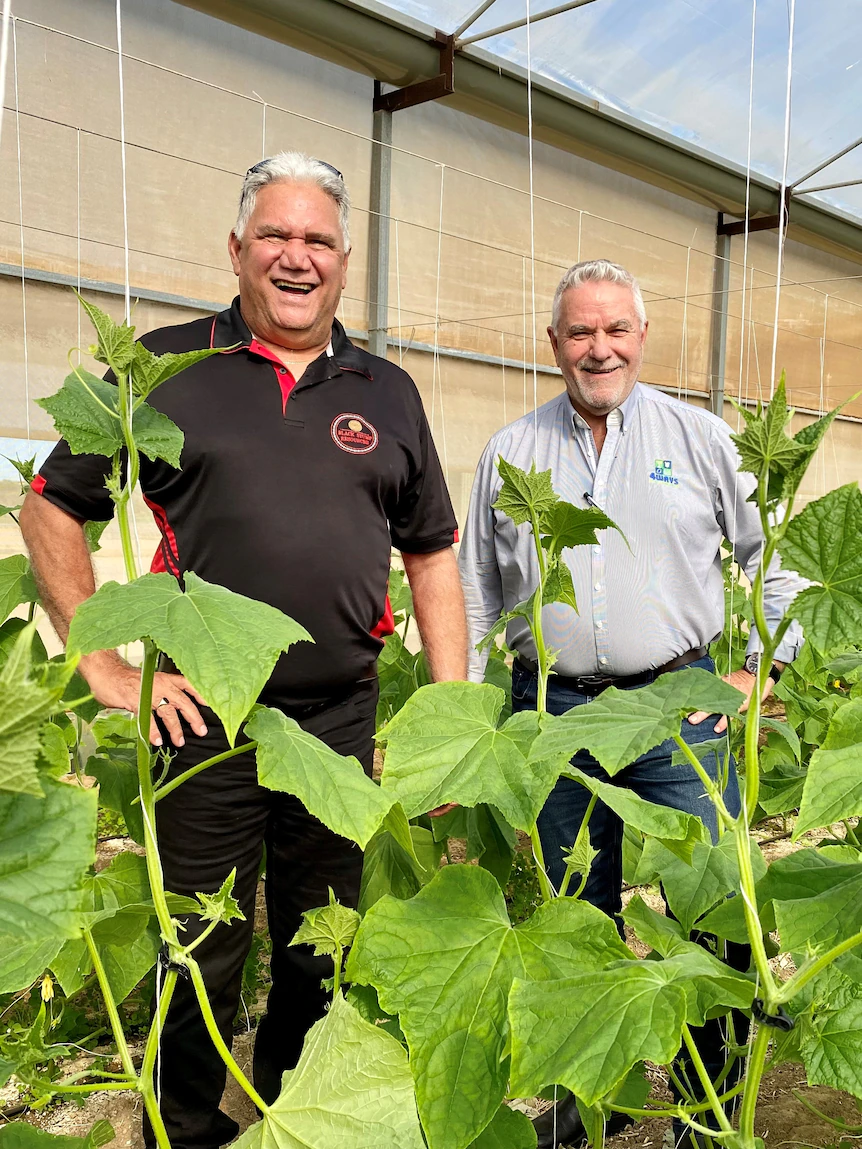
667,477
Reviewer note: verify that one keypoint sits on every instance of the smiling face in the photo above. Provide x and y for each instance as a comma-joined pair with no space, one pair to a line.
291,264
598,345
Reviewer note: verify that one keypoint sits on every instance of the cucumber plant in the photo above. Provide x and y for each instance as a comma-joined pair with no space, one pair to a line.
443,1008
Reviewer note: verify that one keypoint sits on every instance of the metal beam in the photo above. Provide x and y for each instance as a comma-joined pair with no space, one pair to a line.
830,187
378,231
422,91
473,17
522,23
397,49
826,163
718,331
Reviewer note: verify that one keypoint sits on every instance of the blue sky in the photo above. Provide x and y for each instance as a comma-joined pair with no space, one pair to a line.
683,66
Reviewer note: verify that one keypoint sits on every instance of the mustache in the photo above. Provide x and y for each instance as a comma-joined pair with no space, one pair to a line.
588,364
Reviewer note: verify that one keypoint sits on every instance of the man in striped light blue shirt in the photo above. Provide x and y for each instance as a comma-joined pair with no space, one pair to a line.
650,598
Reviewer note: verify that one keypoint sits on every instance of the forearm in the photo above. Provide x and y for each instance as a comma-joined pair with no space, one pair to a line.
438,603
61,566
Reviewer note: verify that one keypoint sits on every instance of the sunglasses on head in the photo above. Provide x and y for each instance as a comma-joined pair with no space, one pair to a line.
260,165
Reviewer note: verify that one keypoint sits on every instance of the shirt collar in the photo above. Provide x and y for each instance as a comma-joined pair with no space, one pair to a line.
229,328
619,417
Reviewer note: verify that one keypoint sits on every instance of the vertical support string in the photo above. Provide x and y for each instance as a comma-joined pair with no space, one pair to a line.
782,213
4,56
532,241
263,133
126,294
683,343
78,233
503,365
436,380
398,297
21,231
524,328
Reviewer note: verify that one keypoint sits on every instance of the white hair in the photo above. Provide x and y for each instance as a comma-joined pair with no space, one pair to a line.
293,167
599,271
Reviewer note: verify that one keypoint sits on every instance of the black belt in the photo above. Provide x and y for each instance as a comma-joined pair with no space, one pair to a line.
596,683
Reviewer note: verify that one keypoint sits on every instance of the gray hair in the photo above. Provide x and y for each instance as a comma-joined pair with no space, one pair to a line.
293,167
599,271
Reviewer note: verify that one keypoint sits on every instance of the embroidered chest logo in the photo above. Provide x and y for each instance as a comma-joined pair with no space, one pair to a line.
354,434
663,472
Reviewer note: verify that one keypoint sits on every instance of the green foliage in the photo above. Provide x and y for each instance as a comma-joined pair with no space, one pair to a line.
350,1087
21,1135
488,837
221,906
824,544
444,962
620,725
86,412
833,786
46,846
330,929
508,1129
335,789
16,584
445,745
224,643
588,1031
524,495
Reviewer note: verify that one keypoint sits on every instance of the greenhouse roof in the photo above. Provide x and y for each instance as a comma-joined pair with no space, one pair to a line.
682,68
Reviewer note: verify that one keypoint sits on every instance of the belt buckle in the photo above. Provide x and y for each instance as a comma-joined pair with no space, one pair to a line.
591,681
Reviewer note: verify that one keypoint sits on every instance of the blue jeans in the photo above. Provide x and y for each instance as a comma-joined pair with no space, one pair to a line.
652,777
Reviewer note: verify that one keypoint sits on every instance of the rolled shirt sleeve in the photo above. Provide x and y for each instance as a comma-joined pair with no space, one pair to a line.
740,521
477,561
76,483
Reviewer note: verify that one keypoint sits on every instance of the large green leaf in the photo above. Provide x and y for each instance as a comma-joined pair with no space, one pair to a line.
444,962
224,643
387,868
115,341
509,1129
810,897
833,787
118,908
46,846
524,494
621,725
564,525
679,832
824,543
693,889
117,775
663,934
25,705
444,745
332,788
587,1032
23,960
831,1042
150,371
22,1135
351,1087
16,584
86,413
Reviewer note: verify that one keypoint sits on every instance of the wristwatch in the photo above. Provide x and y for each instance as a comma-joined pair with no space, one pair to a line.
753,661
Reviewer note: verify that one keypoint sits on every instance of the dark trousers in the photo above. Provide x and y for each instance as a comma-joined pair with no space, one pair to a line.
219,820
654,778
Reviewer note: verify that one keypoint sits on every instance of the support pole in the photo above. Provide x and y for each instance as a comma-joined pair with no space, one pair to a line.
718,332
378,231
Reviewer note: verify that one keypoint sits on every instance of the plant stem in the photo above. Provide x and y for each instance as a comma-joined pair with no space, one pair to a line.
110,1005
850,834
544,882
336,978
710,786
217,1039
151,1050
93,1087
705,1079
169,787
752,1086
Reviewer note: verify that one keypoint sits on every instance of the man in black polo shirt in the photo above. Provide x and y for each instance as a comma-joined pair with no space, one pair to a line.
305,460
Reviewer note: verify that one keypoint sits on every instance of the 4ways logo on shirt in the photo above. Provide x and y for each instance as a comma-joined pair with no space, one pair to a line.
663,472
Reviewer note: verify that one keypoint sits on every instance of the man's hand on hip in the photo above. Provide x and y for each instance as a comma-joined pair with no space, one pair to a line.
116,684
743,681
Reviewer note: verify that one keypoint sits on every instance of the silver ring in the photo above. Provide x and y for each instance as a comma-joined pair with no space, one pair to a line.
162,702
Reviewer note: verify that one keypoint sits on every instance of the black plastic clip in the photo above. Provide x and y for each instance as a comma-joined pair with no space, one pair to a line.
166,964
781,1020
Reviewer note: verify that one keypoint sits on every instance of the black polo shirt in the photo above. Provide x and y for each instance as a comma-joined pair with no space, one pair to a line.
290,493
